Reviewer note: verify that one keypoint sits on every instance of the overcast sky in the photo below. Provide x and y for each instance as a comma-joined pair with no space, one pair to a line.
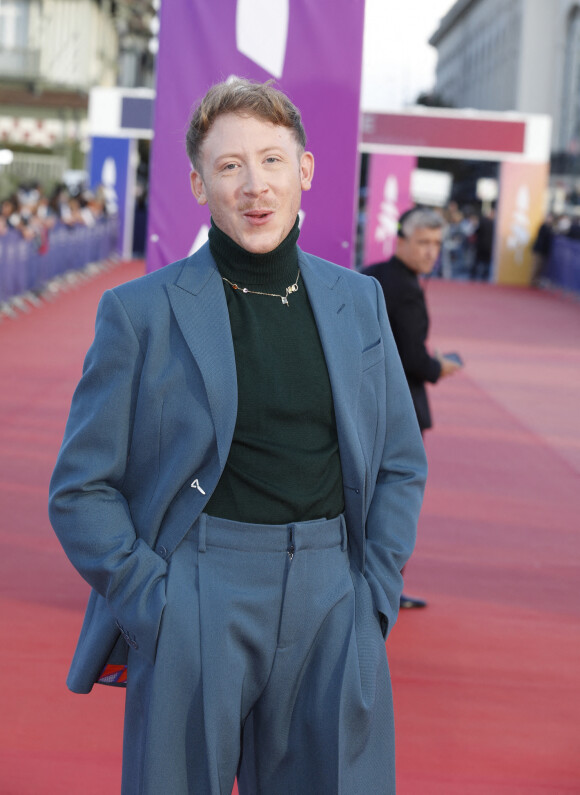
398,63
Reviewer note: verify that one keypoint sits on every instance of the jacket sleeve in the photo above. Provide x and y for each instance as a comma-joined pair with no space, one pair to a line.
86,506
408,321
397,492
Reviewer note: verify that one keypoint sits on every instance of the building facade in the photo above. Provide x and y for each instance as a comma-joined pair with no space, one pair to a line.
521,55
52,52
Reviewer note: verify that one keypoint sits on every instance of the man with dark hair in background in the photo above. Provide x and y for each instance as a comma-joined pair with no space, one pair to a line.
418,246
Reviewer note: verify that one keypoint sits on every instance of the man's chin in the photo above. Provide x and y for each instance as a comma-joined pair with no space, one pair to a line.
260,244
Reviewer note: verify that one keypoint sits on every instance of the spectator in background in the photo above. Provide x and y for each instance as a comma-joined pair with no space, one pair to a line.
418,244
452,248
541,249
42,222
32,215
574,231
44,214
562,224
468,225
70,213
17,217
10,213
92,208
483,246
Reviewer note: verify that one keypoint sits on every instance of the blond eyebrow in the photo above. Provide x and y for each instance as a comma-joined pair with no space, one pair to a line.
260,152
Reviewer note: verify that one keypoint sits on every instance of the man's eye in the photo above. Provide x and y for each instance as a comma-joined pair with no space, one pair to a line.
271,159
230,166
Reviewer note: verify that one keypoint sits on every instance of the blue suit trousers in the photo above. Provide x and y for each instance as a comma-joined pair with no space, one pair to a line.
270,665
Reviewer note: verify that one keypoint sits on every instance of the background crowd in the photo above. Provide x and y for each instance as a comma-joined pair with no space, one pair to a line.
32,213
467,248
45,237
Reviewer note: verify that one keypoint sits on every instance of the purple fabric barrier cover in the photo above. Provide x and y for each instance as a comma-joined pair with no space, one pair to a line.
23,268
563,266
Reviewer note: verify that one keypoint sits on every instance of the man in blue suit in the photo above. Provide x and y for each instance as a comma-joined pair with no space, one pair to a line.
240,482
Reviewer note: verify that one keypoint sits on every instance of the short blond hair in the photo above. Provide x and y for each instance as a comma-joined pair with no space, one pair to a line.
247,98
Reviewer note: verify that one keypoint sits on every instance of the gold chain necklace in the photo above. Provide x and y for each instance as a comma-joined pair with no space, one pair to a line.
293,288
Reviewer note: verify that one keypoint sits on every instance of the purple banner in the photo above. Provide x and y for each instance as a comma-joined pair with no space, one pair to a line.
389,195
109,171
314,51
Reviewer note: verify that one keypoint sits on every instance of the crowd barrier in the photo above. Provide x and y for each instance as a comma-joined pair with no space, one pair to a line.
26,266
563,266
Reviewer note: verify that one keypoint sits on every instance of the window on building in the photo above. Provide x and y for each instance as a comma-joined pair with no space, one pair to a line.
570,135
15,58
13,24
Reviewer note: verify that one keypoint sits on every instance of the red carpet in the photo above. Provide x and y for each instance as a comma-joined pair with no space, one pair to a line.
485,679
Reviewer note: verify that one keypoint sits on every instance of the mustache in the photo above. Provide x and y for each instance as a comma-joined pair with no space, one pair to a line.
260,208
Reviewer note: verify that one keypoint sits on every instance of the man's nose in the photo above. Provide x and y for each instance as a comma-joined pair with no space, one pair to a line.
255,182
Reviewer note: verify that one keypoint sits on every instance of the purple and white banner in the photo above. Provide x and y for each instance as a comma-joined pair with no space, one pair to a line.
314,52
113,172
389,195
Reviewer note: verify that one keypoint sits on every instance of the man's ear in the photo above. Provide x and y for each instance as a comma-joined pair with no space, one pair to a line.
197,187
306,170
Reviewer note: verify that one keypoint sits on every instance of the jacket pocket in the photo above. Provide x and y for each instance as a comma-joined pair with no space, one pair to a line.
372,355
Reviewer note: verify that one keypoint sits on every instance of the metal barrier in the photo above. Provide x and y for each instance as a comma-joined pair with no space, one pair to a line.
563,266
23,268
46,169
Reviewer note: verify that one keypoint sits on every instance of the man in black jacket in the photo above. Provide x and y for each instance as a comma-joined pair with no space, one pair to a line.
418,246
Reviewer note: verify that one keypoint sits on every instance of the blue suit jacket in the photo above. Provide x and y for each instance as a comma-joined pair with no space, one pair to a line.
155,410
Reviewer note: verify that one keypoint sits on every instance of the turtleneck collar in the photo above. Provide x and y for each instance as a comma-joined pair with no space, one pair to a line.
275,268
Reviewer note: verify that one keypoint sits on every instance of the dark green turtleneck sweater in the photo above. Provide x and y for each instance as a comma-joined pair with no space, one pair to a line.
284,463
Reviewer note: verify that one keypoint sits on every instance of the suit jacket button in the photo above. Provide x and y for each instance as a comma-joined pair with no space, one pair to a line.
162,551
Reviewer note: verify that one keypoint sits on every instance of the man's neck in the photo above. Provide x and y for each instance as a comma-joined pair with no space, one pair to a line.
402,261
278,266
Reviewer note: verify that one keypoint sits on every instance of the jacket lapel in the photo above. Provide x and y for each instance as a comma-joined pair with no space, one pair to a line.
198,302
333,309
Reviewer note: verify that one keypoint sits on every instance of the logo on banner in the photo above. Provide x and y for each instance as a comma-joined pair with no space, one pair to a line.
388,216
200,239
519,235
109,183
262,32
